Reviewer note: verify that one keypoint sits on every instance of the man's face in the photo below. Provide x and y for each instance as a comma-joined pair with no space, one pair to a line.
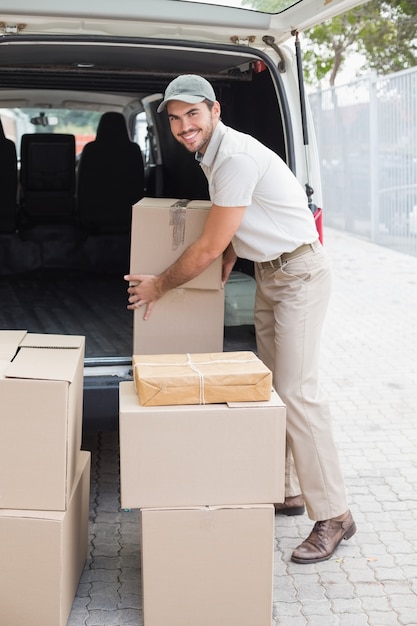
193,124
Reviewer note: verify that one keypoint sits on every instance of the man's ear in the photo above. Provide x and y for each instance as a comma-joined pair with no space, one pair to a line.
216,110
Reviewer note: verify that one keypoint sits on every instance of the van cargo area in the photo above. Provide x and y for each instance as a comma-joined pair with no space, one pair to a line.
94,305
61,273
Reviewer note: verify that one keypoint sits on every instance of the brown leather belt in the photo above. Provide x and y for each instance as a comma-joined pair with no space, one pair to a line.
286,256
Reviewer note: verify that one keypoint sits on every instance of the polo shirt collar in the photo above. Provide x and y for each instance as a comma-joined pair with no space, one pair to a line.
208,157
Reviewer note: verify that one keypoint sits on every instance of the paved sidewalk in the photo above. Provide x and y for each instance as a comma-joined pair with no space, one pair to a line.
369,369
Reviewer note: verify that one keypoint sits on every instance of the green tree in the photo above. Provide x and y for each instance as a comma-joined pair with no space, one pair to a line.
384,33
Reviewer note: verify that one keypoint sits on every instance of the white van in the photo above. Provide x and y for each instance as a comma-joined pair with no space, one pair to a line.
62,65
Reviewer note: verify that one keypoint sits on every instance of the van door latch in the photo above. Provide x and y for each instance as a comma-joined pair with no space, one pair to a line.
270,41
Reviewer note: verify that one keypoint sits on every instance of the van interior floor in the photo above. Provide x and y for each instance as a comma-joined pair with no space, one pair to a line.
81,303
73,303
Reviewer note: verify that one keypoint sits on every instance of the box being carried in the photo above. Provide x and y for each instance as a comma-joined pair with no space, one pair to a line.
209,378
162,229
183,319
189,318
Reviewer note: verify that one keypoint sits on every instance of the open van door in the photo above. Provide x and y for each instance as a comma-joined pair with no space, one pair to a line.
259,25
77,60
218,20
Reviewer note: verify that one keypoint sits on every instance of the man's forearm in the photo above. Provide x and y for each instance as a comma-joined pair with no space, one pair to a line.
189,265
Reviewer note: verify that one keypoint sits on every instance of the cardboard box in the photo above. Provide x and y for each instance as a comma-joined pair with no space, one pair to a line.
207,378
41,395
9,339
183,320
162,229
42,556
187,319
185,455
208,566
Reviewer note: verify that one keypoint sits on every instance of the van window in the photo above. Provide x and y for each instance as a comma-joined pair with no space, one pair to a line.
141,135
80,123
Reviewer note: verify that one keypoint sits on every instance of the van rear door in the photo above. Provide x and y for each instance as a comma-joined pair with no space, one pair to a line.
100,56
205,20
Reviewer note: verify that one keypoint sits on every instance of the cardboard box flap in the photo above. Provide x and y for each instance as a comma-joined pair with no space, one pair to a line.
4,364
34,340
14,337
213,507
170,202
274,400
27,514
84,458
37,364
9,343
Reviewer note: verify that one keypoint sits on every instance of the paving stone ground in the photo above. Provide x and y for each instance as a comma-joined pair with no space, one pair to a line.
369,369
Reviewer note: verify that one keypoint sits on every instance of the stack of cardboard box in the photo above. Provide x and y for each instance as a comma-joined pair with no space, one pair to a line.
204,477
203,472
44,477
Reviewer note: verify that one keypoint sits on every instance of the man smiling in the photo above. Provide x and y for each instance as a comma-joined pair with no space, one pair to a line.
260,212
191,126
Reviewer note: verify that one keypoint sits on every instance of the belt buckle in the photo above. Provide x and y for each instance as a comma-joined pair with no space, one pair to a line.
272,264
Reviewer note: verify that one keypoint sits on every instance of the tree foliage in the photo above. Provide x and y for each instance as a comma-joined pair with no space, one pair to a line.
383,32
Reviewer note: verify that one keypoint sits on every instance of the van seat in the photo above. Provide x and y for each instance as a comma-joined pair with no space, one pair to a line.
110,177
47,177
8,196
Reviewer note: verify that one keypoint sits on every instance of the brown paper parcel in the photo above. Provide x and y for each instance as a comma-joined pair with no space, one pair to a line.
210,378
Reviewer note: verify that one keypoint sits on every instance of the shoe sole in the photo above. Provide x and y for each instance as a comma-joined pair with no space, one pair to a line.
293,510
348,534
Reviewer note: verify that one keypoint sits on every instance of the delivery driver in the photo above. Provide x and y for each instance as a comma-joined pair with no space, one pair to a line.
260,212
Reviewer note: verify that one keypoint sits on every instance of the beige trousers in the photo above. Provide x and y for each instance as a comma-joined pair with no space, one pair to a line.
290,308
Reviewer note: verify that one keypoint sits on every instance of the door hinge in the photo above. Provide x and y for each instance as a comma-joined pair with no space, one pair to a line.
243,41
11,29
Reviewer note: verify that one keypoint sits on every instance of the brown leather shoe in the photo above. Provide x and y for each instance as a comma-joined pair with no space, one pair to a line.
324,539
293,505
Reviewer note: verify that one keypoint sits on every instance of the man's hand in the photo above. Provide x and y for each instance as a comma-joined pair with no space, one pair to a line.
142,290
229,259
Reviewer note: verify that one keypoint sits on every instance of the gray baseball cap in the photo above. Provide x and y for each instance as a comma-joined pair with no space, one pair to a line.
188,88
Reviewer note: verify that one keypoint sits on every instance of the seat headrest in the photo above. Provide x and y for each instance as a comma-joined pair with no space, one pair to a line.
112,127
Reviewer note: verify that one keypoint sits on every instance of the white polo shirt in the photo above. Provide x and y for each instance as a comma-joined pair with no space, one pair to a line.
243,172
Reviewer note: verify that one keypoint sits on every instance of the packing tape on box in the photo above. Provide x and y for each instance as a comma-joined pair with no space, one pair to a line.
177,215
193,366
